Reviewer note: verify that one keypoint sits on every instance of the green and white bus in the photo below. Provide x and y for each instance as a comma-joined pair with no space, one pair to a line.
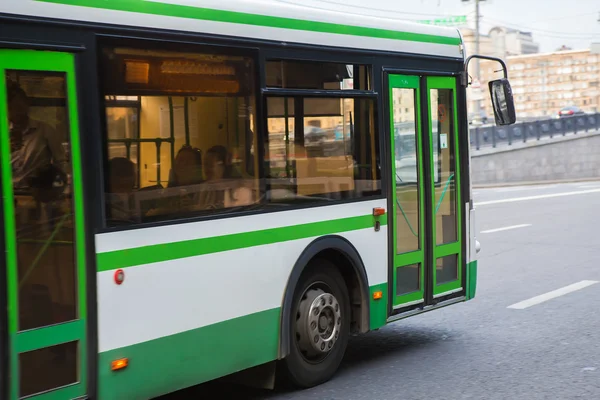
197,188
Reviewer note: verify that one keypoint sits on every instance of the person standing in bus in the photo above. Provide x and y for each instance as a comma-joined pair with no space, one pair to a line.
38,160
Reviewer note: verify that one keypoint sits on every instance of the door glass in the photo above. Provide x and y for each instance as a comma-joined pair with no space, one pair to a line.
39,371
39,135
406,170
408,279
442,128
446,269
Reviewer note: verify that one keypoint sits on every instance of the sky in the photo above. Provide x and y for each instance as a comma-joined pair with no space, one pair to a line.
553,23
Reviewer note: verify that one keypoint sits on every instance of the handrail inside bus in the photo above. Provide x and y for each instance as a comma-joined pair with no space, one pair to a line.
436,208
47,243
406,218
402,211
443,193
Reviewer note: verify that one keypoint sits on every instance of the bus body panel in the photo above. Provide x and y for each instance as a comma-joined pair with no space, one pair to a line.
258,20
209,315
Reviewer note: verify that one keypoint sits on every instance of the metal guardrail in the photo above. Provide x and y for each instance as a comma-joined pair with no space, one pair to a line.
492,136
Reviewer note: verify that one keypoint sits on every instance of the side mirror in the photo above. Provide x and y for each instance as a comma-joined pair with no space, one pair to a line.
502,102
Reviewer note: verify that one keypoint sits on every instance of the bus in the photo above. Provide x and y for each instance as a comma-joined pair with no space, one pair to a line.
195,189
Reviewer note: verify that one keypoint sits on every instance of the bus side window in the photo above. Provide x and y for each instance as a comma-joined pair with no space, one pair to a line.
187,139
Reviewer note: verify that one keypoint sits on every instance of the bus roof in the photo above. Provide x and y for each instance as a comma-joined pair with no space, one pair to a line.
258,19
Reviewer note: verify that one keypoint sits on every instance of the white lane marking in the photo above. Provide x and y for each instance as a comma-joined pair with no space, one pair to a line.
542,196
551,295
520,188
506,228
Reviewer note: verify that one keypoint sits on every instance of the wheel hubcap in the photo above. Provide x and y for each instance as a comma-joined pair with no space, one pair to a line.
318,324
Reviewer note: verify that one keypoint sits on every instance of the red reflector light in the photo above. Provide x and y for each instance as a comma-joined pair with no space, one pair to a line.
119,276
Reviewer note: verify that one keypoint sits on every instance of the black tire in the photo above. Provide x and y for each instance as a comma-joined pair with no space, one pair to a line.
299,368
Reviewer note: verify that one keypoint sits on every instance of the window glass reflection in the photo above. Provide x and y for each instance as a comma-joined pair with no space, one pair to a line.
444,157
408,279
330,156
48,368
180,135
446,269
41,179
406,167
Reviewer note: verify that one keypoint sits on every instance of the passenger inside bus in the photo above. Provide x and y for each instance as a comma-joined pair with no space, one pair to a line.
122,175
187,168
188,192
121,186
222,189
35,146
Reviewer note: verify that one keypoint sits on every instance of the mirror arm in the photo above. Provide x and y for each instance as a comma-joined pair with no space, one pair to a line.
465,74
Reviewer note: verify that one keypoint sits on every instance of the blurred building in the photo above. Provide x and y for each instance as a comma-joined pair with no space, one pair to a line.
544,83
499,42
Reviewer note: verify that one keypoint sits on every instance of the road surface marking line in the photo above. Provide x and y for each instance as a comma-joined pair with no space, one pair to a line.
506,228
551,295
521,188
542,196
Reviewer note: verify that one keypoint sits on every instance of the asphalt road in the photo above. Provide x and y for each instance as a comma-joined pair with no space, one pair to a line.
483,349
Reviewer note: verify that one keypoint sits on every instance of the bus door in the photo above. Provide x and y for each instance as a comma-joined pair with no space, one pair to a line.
43,260
425,228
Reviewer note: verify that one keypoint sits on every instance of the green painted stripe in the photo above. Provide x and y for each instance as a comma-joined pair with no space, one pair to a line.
185,359
50,336
197,247
208,14
471,279
68,392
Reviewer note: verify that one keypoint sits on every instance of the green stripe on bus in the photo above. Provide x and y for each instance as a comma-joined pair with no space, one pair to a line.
66,392
208,14
378,310
174,362
471,279
54,335
197,247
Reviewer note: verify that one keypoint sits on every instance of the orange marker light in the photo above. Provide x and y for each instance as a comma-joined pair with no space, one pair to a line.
119,364
378,211
377,295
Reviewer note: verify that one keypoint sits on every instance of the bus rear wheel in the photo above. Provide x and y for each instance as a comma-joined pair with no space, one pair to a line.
319,326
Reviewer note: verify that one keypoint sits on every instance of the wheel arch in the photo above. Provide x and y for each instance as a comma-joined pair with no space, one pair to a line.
352,268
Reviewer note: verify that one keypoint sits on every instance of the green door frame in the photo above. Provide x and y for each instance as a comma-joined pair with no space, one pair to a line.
416,256
454,248
426,244
20,342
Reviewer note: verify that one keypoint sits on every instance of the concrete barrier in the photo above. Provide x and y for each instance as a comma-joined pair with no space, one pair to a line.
564,158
